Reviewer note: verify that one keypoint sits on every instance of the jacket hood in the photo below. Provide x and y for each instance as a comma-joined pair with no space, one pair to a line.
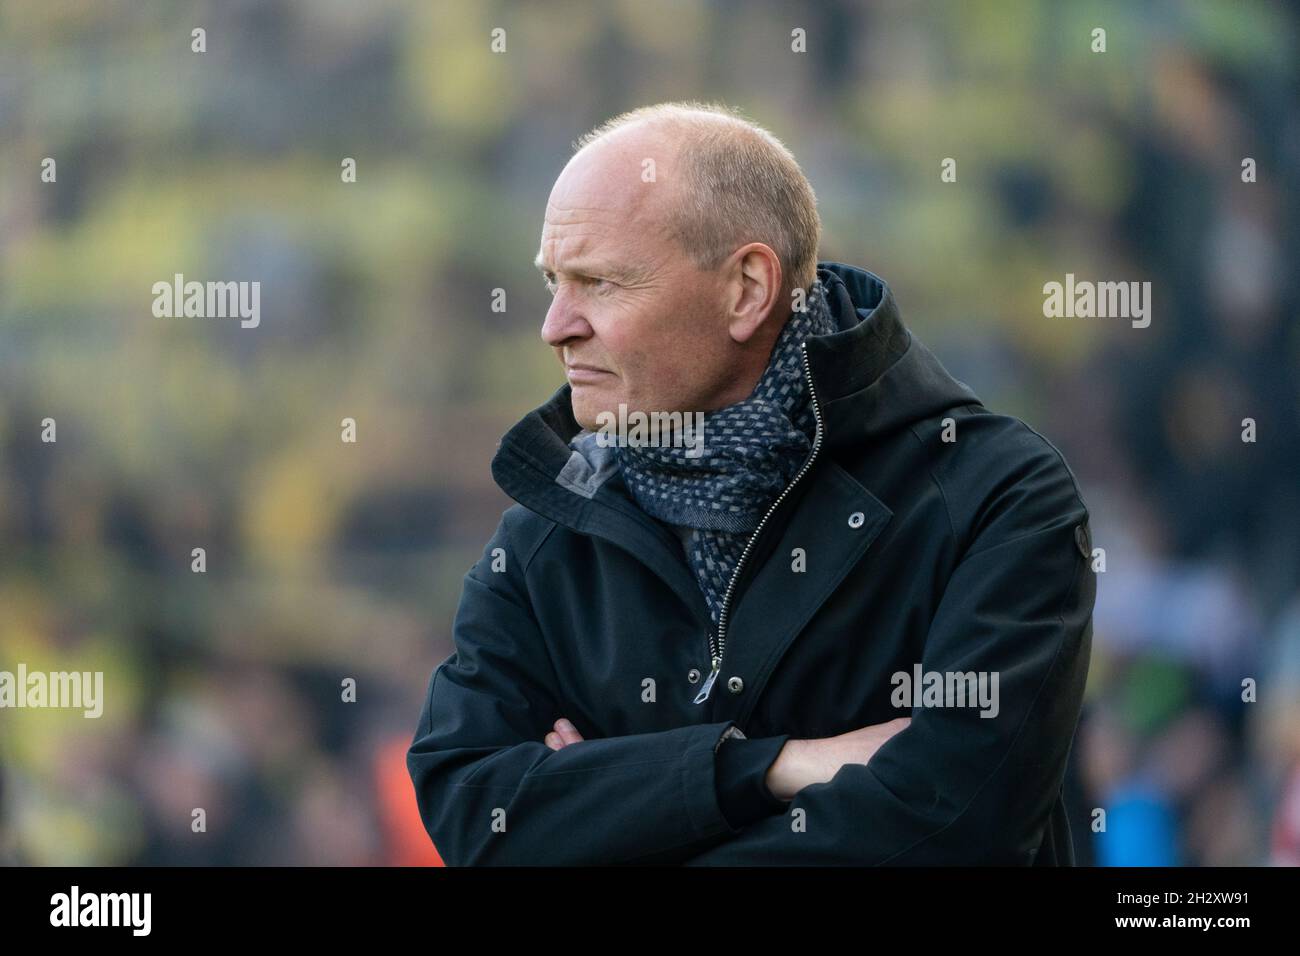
874,376
871,377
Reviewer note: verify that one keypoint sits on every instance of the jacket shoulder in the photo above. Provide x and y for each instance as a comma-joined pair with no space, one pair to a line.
521,532
998,475
512,545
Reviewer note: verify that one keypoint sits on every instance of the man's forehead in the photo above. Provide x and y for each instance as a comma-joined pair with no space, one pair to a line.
598,203
598,210
585,246
584,253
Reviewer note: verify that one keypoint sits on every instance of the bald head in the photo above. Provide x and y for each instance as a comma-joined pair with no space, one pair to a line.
634,171
731,182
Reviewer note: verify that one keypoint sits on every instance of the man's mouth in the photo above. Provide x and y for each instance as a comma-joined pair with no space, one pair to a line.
584,374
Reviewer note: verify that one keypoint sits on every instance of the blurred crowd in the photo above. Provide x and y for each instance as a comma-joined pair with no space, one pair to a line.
228,735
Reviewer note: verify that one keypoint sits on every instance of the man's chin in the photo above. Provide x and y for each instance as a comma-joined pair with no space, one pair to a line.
587,408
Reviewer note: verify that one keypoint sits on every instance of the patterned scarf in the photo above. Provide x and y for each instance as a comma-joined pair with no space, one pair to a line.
751,451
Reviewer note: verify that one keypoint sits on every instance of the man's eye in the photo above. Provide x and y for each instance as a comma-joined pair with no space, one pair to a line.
600,285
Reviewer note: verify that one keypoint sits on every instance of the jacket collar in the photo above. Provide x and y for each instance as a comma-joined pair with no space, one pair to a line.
874,376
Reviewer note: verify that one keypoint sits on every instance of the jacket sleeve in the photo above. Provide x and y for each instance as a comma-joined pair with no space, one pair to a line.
956,787
741,774
490,791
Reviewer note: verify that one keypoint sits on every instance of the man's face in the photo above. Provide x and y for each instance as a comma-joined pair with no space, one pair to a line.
627,301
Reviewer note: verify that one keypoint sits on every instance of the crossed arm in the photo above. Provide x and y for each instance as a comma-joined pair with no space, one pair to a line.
494,786
798,763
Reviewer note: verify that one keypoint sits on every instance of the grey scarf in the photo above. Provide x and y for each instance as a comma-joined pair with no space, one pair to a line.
751,451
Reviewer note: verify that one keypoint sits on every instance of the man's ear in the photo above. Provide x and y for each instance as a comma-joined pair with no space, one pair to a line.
754,287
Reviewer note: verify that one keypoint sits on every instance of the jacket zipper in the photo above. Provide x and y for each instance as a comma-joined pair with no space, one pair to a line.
717,650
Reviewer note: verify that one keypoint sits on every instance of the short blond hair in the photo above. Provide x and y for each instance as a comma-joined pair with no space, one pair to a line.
740,184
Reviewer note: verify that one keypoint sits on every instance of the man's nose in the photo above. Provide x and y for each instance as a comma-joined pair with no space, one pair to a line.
564,321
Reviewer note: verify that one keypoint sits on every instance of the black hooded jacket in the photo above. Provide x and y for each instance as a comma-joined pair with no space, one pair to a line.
926,536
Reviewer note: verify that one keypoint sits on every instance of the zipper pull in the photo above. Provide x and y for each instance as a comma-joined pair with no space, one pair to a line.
703,695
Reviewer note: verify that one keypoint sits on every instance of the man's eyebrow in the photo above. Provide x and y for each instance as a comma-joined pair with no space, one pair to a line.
591,268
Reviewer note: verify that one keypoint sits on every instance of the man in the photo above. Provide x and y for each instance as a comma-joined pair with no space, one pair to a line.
851,625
